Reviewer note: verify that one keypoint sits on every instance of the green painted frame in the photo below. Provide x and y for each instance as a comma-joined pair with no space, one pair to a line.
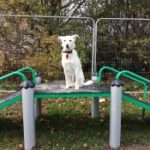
11,102
124,73
72,95
76,95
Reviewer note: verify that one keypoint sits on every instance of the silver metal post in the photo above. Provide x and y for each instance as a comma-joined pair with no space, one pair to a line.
37,108
28,115
37,102
95,107
115,114
95,102
94,50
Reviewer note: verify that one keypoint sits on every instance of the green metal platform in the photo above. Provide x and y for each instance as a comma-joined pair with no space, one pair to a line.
57,90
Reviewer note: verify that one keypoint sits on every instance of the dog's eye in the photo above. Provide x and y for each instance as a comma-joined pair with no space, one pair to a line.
70,40
64,40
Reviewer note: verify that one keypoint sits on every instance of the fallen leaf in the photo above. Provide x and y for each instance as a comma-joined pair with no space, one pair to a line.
101,100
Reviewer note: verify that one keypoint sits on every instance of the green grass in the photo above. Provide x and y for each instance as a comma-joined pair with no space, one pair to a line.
8,86
67,125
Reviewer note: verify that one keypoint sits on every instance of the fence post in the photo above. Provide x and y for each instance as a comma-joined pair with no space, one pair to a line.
37,102
115,113
28,114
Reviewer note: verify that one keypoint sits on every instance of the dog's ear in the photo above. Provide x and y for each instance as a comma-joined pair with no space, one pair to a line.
75,36
60,38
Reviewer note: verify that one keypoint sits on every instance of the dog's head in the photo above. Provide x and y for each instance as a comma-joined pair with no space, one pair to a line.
68,42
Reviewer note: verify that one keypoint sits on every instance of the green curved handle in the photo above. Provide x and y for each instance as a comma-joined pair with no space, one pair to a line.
134,75
16,73
139,78
31,70
105,68
117,72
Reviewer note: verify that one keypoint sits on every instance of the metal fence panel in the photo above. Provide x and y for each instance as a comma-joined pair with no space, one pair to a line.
124,43
32,40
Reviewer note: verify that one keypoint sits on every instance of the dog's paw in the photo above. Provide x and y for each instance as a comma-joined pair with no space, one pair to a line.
66,87
76,88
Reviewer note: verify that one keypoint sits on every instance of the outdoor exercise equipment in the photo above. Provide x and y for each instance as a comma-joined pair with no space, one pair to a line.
31,95
31,91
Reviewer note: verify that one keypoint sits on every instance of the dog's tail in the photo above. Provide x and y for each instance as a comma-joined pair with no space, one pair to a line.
89,82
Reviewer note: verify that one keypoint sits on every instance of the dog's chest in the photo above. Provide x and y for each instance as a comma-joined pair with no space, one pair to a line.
68,62
67,58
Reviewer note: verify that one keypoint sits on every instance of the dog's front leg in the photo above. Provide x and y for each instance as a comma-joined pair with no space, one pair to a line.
66,79
77,80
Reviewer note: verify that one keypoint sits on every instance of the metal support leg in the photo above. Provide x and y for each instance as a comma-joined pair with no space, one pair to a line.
95,107
28,115
115,114
37,102
37,107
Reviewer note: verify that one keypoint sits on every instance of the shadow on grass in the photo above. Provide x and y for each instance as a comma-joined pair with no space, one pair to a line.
73,130
9,125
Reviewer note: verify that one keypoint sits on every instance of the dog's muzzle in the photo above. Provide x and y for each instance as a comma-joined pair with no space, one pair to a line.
67,46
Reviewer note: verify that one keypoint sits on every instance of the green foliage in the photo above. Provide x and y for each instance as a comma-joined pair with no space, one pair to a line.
47,61
139,48
118,8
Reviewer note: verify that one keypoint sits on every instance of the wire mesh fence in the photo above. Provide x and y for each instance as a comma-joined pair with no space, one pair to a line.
33,41
124,44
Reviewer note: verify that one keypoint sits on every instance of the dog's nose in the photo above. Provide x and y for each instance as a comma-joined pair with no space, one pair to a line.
67,46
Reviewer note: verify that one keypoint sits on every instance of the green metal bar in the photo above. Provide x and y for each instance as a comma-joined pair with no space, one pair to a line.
11,102
71,95
145,93
23,77
80,95
17,98
146,81
126,72
31,70
103,69
145,97
136,102
116,72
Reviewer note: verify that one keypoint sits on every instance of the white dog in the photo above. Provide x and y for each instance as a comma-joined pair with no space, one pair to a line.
71,63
